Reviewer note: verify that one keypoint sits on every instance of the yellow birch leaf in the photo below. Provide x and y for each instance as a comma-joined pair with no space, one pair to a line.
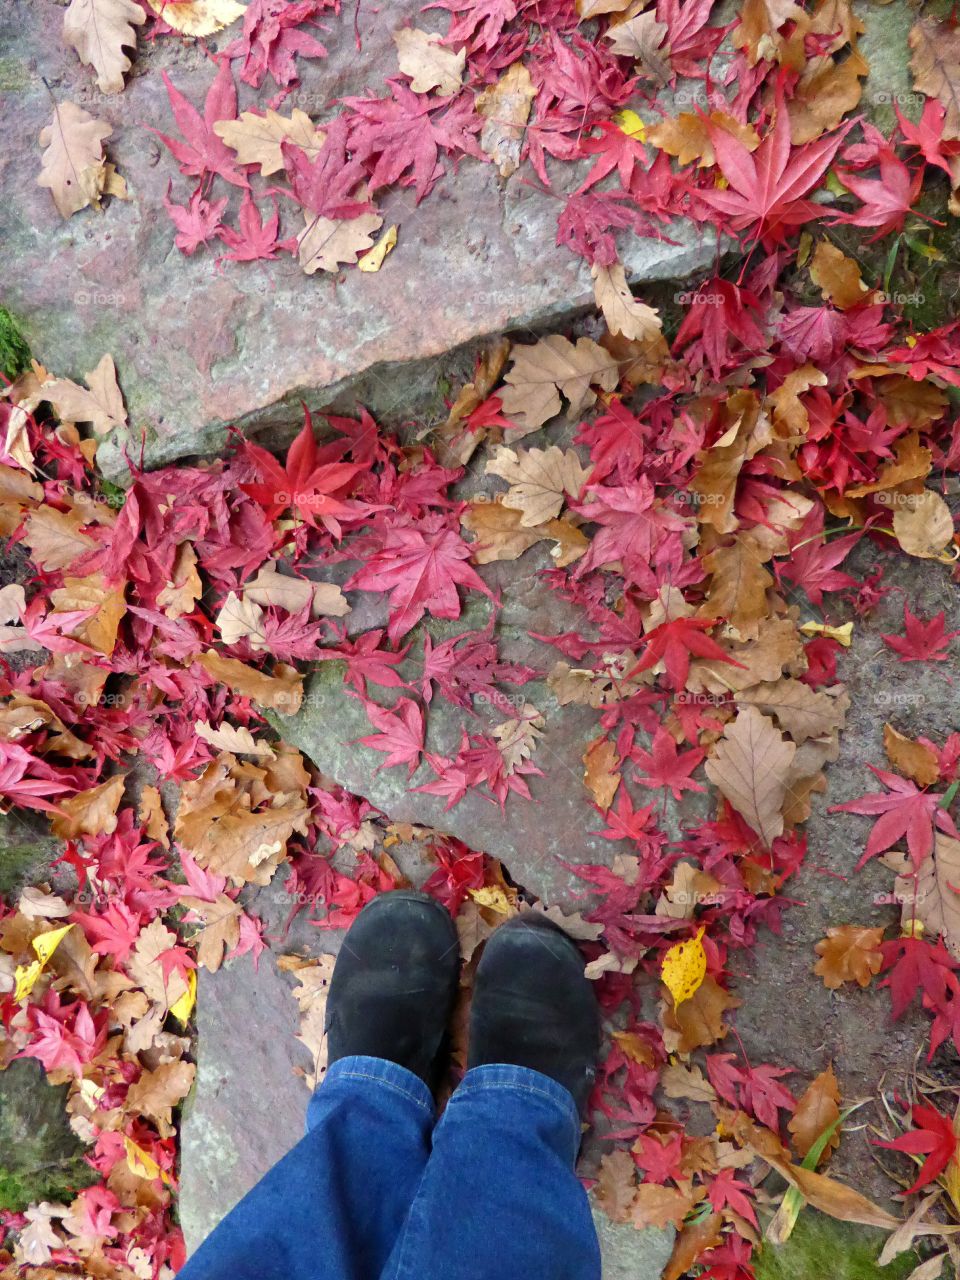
182,1008
373,260
684,968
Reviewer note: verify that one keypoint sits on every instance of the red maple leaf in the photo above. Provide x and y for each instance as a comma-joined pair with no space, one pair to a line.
271,40
632,527
813,559
719,312
916,965
113,932
401,733
767,188
726,1190
659,1156
675,643
755,1089
933,1136
923,641
310,483
730,1261
614,149
64,1038
927,135
202,152
664,767
689,40
886,200
904,811
399,139
624,822
421,568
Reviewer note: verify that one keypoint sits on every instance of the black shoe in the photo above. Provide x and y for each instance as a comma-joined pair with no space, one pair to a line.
394,983
533,1007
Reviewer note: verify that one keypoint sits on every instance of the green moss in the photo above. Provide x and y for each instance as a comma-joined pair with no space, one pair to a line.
14,352
820,1248
40,1156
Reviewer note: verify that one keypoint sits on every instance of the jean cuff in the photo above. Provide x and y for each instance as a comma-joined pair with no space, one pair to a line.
378,1071
504,1075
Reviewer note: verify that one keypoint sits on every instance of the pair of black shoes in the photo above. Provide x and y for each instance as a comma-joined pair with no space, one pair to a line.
395,981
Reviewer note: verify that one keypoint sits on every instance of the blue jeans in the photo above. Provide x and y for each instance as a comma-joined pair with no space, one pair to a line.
377,1188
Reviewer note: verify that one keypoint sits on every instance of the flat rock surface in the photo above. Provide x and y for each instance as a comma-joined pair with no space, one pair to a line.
198,346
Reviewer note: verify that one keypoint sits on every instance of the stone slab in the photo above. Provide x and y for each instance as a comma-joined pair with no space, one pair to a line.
198,347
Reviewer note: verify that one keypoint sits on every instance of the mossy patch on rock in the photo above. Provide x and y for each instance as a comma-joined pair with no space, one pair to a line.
40,1156
14,352
820,1247
25,853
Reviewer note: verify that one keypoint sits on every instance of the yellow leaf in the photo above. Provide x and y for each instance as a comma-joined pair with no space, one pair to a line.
493,897
26,976
45,944
843,635
373,260
182,1008
684,968
629,122
141,1163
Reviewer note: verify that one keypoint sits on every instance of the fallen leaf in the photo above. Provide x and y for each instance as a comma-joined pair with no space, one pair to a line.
55,538
99,30
72,157
738,585
539,373
501,534
831,1197
373,260
642,38
932,897
428,62
911,758
539,479
800,711
197,18
837,277
749,766
817,1109
326,244
100,403
257,138
687,136
601,771
849,953
157,1092
270,587
107,605
626,315
698,1022
234,738
181,593
282,691
616,1185
92,812
923,524
505,107
684,967
935,63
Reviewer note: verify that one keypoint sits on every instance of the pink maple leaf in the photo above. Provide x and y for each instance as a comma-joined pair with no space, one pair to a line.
421,568
197,222
65,1039
813,559
399,139
755,1089
256,239
271,40
401,733
202,152
886,200
113,932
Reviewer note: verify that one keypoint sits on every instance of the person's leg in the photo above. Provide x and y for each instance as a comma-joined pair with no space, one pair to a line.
499,1196
333,1207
